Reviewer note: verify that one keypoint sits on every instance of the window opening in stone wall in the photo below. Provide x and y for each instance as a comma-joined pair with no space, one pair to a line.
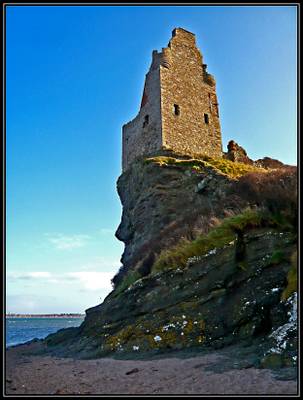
176,109
146,120
206,118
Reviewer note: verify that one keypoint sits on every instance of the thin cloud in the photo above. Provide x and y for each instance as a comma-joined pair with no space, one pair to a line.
29,275
67,242
88,280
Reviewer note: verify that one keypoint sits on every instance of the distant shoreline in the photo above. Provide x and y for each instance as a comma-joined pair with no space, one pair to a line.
45,315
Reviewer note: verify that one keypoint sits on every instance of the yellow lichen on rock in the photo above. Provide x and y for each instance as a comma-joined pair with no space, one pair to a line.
146,335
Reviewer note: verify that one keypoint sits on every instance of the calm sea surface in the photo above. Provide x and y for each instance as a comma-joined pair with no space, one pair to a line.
21,330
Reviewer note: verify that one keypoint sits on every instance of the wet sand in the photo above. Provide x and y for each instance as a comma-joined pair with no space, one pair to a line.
44,374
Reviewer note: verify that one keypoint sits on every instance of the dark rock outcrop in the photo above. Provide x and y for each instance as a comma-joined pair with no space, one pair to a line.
270,163
236,153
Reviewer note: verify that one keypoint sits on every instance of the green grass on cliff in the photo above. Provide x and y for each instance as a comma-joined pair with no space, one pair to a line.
292,278
177,257
218,237
128,280
220,165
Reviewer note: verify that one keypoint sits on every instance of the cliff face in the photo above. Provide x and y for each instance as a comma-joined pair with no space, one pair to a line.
169,198
159,200
200,269
165,199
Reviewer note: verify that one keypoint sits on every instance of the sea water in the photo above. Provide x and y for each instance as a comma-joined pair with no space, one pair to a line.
21,330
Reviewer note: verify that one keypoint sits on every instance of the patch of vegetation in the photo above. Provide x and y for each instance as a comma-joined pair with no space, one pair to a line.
231,168
118,278
276,191
292,278
242,265
225,233
220,165
277,257
127,281
218,237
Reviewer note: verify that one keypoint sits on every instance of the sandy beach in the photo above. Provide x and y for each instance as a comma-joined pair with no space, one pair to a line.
44,374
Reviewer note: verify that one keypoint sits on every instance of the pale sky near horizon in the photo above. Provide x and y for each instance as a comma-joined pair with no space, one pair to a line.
75,75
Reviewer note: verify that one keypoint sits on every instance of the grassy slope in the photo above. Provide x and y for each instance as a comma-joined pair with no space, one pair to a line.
220,165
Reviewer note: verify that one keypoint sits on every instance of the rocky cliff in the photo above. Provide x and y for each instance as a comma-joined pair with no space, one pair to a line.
209,260
171,197
165,199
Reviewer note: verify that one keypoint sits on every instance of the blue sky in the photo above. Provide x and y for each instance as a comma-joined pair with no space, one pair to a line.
74,76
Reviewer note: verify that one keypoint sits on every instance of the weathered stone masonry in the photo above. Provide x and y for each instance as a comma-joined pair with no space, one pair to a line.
179,109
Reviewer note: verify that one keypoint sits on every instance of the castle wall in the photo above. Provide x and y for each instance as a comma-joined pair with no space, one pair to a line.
177,79
141,136
186,84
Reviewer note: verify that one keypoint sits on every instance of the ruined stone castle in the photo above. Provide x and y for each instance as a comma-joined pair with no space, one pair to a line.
179,108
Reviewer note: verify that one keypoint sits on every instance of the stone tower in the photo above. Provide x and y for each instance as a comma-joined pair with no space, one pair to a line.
179,108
